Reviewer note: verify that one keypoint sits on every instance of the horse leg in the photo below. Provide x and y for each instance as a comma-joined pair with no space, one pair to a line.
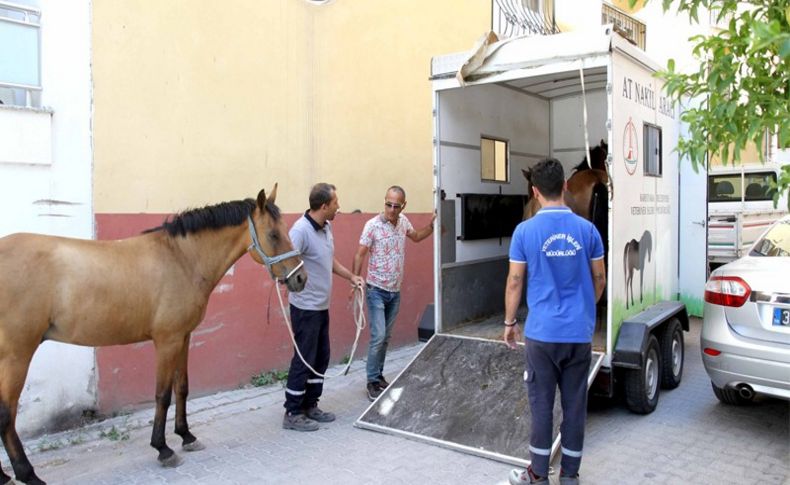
181,389
167,353
13,371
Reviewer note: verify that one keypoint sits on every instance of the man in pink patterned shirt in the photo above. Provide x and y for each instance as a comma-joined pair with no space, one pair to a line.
384,238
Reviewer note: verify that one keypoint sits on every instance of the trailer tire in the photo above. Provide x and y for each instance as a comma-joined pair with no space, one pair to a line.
672,354
642,386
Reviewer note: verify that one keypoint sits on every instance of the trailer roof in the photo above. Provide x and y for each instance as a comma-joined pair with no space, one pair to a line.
535,64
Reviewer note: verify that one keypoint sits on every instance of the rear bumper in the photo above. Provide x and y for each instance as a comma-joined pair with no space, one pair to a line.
765,366
728,370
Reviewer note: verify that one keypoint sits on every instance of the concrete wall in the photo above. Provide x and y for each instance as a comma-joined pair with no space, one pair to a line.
237,97
45,187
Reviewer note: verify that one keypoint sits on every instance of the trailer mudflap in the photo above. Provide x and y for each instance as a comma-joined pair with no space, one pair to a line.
466,394
635,331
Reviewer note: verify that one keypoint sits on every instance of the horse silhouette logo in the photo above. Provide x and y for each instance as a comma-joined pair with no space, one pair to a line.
634,259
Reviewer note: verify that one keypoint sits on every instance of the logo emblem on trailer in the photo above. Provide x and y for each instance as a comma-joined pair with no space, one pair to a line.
630,147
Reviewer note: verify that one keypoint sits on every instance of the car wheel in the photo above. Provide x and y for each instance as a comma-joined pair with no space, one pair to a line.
728,396
642,385
672,354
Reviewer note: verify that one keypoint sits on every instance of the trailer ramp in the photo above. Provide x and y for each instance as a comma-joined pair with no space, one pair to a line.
466,394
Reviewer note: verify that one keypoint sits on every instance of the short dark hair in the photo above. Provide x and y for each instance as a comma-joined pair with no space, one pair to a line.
321,194
399,189
549,177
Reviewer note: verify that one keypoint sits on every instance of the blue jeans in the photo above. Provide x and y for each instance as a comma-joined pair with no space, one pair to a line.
382,308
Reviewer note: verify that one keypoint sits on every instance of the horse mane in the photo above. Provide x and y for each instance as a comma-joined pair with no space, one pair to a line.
212,217
597,154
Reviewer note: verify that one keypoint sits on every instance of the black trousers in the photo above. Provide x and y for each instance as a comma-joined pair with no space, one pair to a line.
549,365
311,331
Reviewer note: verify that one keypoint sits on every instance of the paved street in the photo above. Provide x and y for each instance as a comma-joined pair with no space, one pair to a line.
690,438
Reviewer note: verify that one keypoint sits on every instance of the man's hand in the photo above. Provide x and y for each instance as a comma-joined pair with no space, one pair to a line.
510,336
357,281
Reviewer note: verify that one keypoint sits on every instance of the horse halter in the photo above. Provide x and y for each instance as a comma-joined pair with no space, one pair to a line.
269,262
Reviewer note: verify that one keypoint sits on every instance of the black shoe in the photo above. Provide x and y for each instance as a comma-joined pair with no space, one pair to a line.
317,414
374,390
299,422
569,479
383,382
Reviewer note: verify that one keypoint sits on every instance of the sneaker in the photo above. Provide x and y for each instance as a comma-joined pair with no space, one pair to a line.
521,477
374,390
318,415
569,479
383,382
299,422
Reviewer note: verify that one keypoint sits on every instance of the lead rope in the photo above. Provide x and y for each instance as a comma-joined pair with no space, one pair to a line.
358,310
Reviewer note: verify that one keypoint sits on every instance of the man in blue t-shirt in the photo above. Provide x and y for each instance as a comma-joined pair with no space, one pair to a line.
561,255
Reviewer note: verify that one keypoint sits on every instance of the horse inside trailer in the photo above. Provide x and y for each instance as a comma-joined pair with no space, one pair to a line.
526,100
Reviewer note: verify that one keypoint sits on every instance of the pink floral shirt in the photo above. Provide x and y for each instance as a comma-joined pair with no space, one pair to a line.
387,247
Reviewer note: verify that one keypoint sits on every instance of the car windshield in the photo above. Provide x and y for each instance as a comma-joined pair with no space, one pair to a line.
775,242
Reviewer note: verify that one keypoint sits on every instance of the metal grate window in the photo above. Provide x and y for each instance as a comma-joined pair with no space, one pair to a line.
513,18
624,24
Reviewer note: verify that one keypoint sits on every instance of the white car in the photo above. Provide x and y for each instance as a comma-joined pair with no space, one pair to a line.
746,325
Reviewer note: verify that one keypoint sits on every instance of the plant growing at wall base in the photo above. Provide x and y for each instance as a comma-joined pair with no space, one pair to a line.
266,378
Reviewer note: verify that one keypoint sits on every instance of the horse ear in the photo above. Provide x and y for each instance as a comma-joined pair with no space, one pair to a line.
273,194
526,173
261,199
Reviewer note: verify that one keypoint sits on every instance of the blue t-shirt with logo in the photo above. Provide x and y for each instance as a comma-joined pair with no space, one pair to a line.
557,247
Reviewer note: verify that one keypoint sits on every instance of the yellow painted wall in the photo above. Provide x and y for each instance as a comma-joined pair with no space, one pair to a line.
199,102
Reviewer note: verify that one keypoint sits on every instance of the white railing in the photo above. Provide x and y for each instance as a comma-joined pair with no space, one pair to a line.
20,53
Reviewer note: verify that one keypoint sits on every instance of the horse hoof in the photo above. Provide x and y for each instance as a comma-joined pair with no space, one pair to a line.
194,446
172,461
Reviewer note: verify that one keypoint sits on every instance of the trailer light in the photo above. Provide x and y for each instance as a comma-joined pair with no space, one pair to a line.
727,291
712,352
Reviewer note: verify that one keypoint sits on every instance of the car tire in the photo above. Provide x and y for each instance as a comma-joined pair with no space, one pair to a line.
728,396
642,386
672,354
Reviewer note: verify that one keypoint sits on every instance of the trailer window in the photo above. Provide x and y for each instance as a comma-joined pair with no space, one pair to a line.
494,160
653,152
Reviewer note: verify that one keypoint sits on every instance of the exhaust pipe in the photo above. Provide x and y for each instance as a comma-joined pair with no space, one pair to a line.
745,391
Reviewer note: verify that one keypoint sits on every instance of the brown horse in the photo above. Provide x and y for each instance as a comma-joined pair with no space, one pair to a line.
151,287
586,194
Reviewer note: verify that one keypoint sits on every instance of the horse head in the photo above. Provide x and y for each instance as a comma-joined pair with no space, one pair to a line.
270,244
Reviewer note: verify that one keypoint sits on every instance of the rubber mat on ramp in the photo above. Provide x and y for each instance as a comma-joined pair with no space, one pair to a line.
462,393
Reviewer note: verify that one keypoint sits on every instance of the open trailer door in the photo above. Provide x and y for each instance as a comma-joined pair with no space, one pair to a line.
466,394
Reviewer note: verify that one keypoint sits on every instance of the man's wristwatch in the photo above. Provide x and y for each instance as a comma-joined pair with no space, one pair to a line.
511,323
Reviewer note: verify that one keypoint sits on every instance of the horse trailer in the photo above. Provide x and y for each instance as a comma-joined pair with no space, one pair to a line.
497,112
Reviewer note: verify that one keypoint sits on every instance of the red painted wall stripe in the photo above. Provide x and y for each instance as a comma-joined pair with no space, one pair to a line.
243,332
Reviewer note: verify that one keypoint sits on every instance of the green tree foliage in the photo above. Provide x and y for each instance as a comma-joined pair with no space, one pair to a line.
743,80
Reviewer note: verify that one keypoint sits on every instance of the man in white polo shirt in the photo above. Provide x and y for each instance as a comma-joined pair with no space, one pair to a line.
384,237
311,234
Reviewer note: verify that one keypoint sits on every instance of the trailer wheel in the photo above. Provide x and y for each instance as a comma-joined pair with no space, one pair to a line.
642,385
672,354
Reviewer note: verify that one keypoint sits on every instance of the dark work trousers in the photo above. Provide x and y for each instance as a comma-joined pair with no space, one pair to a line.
547,366
311,329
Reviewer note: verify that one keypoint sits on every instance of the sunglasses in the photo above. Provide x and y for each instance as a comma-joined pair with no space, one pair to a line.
393,206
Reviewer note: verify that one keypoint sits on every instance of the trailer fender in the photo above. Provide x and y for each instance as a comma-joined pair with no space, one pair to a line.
635,331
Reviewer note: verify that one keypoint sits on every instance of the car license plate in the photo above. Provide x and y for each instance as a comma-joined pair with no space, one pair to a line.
782,317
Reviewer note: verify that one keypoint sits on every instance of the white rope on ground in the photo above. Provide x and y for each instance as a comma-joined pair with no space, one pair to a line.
358,310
